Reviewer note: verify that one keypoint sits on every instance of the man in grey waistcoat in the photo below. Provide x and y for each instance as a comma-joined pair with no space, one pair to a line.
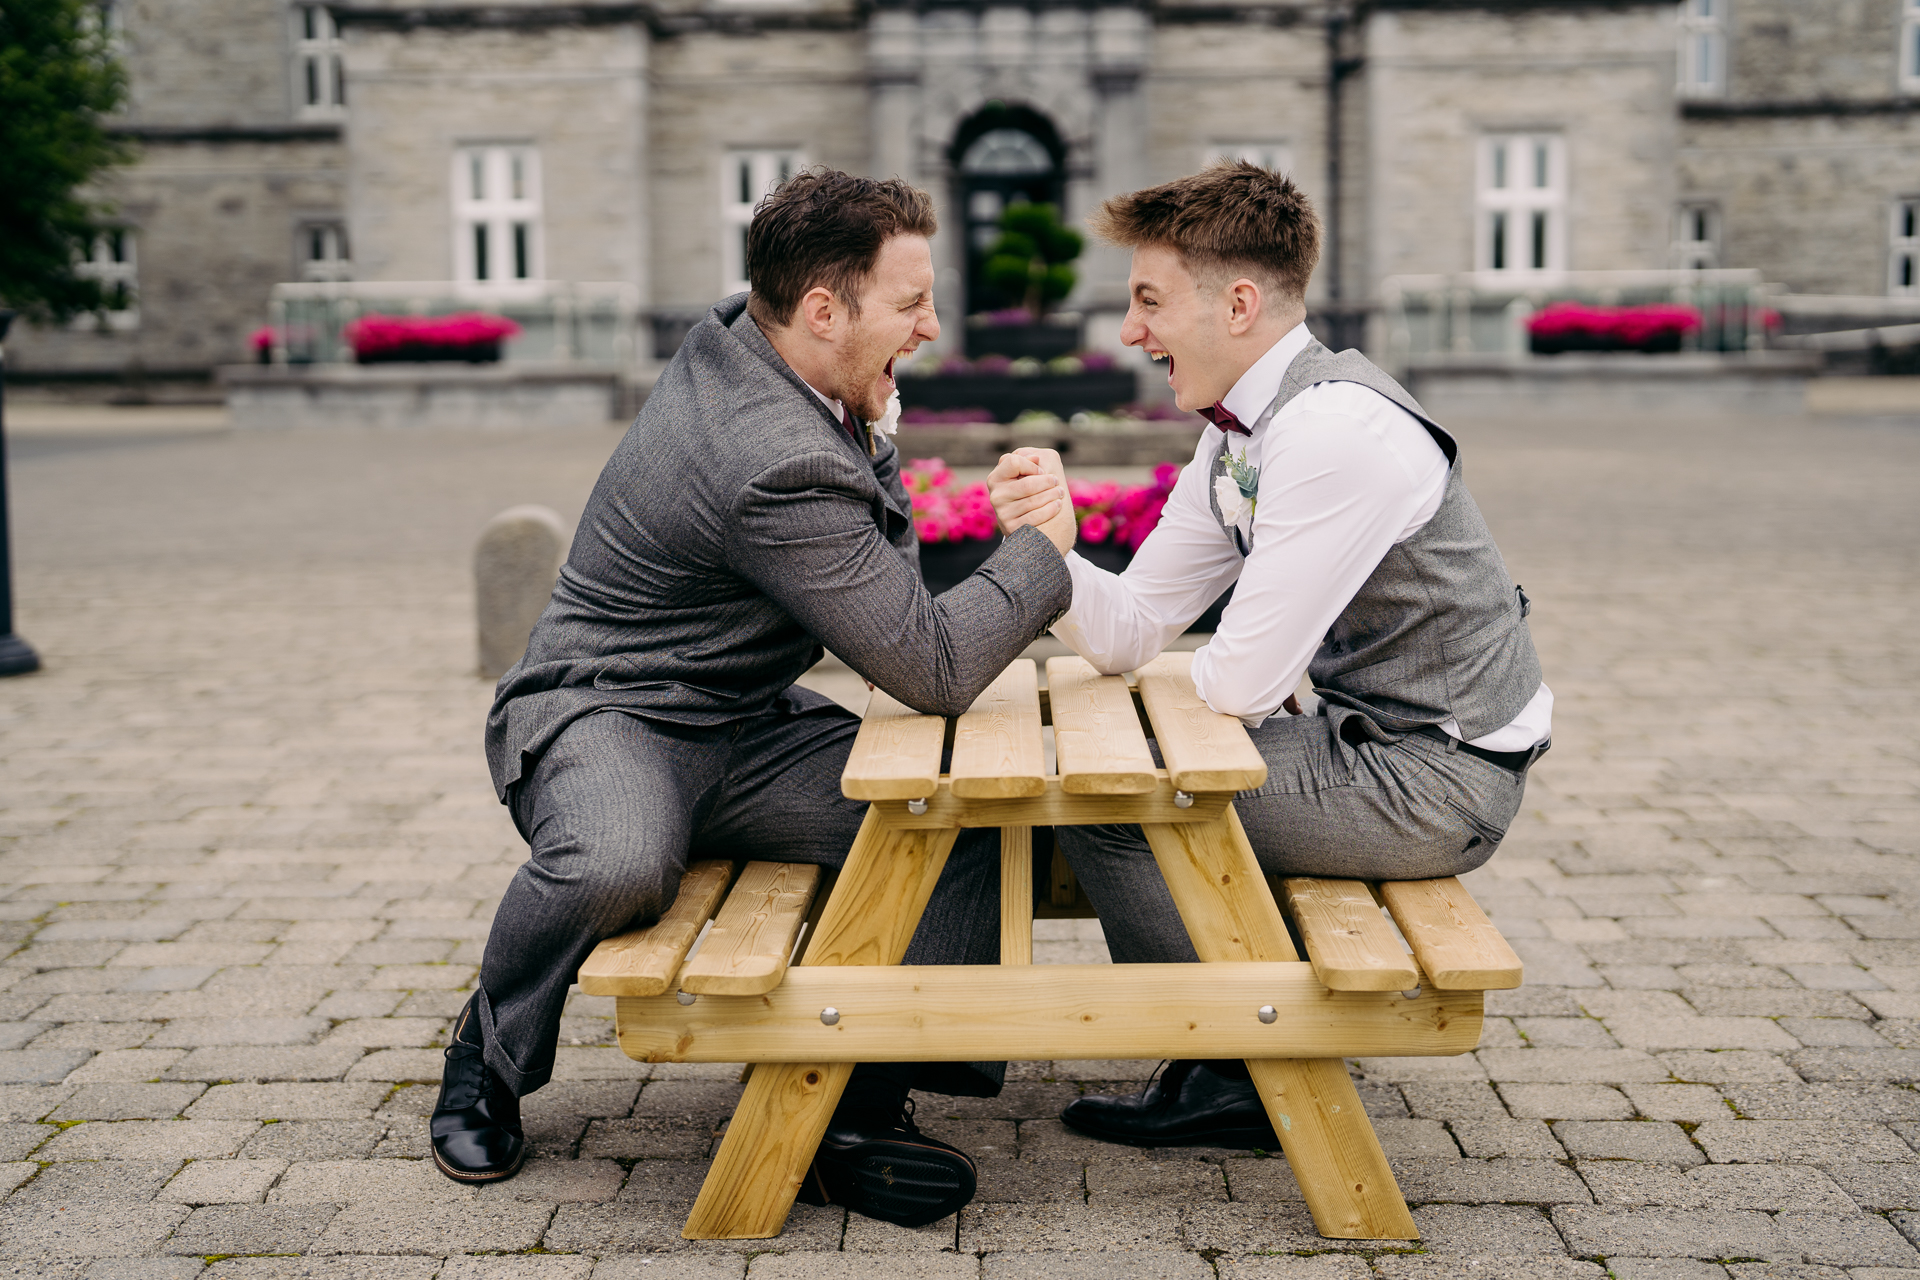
1336,507
752,514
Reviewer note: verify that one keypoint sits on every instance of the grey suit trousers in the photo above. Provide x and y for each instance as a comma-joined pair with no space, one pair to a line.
618,805
1357,805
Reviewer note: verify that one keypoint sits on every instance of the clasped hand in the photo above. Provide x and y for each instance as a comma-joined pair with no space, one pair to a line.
1029,486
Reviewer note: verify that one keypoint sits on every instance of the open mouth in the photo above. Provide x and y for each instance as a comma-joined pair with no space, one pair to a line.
888,374
1168,357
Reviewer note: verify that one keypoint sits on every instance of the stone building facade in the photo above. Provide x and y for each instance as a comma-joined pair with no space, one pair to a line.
608,140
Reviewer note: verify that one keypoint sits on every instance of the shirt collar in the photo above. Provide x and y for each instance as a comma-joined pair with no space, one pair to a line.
1254,393
838,410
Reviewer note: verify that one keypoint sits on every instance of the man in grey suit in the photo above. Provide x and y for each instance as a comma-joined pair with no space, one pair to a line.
751,515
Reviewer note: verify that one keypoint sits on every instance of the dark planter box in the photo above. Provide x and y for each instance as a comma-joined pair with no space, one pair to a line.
1041,341
430,352
944,565
1006,398
1553,344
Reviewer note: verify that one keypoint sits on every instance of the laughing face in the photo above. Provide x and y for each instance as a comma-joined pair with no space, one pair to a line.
896,316
1173,318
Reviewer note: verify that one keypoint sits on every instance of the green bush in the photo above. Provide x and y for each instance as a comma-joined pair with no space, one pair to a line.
1032,259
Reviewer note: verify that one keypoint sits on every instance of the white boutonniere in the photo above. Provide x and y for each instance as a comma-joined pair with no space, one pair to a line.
890,421
1238,491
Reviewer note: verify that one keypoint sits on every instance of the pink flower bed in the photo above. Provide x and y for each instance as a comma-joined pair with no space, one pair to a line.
378,335
918,417
1121,515
1628,326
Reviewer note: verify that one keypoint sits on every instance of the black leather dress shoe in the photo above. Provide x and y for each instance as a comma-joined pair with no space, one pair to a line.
476,1124
1188,1105
879,1164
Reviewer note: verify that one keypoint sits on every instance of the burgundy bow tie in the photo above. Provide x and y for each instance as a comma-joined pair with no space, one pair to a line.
1220,416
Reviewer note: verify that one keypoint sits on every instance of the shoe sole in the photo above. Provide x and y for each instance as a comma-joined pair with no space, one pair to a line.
1245,1139
459,1175
898,1182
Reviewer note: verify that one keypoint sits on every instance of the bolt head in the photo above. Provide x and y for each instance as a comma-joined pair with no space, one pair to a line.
829,1016
1269,1014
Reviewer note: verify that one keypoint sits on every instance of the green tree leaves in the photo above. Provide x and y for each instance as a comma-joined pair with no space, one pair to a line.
1032,258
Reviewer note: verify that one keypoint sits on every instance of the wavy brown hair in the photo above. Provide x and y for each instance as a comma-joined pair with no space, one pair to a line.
1230,219
825,228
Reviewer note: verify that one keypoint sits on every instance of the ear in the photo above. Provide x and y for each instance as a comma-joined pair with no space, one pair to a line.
820,312
1243,306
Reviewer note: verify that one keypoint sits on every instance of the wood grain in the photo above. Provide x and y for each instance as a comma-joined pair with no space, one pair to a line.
1054,807
1349,942
896,755
1097,741
939,1013
1204,750
754,932
1016,895
645,961
1451,937
997,752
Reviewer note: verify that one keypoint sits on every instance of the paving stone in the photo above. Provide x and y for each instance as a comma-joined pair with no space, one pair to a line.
558,1182
628,1227
289,1101
1879,1186
1605,1230
871,1236
1570,1066
1656,1034
1486,1229
1487,1267
224,1182
351,1181
196,1033
369,1268
1820,1142
1116,1184
1080,1266
1664,1269
674,1267
1244,1229
537,1267
647,1138
1026,1182
1409,1070
49,1232
1855,1240
1565,1102
1467,1100
96,1036
1833,1033
387,1033
1051,1140
319,1062
665,1181
99,1181
1899,1065
250,1228
1782,1271
1730,1067
1824,1101
996,1228
1551,1033
1718,1186
127,1102
1019,1100
145,1269
1908,1224
15,1172
686,1099
306,1140
1691,1102
1490,1182
150,1140
594,1098
985,1140
399,1064
17,1140
841,1266
126,1065
369,1226
1656,1140
39,1066
1487,1138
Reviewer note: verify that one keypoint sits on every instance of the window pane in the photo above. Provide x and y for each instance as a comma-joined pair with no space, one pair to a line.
1539,242
313,81
746,182
518,182
117,245
1908,215
480,251
1499,242
520,270
1499,165
1703,59
476,169
1906,271
339,83
310,21
316,245
1699,225
1540,164
786,167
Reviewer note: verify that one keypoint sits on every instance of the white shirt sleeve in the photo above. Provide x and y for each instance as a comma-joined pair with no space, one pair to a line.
1336,492
1119,621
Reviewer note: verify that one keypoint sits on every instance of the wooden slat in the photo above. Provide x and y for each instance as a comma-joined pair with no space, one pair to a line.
1349,942
1054,808
1016,895
754,933
1451,937
876,905
1204,750
1096,735
944,1013
997,753
644,962
1063,887
1231,916
896,755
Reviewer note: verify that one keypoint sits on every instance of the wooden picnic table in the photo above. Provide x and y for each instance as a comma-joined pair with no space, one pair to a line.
717,978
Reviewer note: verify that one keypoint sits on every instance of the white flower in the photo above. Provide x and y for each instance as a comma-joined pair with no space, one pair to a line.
1233,503
891,422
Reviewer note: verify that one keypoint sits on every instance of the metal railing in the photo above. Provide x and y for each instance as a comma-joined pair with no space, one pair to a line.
560,321
1482,314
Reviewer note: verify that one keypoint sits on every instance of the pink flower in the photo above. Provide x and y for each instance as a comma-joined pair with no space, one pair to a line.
1096,527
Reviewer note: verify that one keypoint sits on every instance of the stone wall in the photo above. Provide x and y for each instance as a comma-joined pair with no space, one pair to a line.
1794,50
207,62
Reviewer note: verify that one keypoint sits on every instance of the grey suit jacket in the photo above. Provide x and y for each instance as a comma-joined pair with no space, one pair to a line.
735,530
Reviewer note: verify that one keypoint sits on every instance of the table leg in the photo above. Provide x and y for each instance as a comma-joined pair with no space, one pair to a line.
1016,895
1230,914
876,905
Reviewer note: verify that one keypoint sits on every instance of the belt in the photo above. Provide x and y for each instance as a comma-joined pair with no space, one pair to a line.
1514,761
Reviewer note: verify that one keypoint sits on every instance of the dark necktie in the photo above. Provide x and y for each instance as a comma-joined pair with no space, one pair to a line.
1222,418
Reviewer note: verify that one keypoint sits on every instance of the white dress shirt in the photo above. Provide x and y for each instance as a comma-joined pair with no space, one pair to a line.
1344,475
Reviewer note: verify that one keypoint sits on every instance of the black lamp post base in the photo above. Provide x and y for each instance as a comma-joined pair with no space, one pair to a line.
17,656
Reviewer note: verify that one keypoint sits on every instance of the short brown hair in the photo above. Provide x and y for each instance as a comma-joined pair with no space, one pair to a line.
822,227
1231,217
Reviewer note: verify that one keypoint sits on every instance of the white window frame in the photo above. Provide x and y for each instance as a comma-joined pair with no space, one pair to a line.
747,174
319,64
497,242
1903,249
1702,54
1696,237
1520,226
1909,46
322,251
1276,154
113,259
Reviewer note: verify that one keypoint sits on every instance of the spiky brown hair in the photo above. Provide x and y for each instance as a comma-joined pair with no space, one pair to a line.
1233,218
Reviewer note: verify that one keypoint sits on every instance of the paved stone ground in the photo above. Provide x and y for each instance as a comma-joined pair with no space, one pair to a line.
248,854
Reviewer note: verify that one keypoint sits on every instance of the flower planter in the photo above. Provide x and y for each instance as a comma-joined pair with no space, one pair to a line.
432,353
1651,329
1557,344
1007,397
1043,341
469,337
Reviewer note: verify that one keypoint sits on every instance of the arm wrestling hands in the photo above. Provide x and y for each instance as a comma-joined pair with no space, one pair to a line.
1029,486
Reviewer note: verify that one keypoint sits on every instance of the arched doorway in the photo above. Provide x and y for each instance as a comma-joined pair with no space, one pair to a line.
1002,154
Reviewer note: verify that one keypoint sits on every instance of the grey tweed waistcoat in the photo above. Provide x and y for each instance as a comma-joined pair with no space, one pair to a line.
1439,629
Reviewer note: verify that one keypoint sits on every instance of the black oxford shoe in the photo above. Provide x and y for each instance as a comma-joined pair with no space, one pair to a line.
476,1125
880,1164
1189,1105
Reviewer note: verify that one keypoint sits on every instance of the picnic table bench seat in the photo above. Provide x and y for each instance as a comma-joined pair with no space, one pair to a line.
797,970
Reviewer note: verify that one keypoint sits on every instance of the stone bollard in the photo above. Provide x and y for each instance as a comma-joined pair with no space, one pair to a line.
514,567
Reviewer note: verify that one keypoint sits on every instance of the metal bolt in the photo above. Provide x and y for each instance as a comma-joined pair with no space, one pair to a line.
829,1016
917,807
1269,1014
686,997
1182,800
